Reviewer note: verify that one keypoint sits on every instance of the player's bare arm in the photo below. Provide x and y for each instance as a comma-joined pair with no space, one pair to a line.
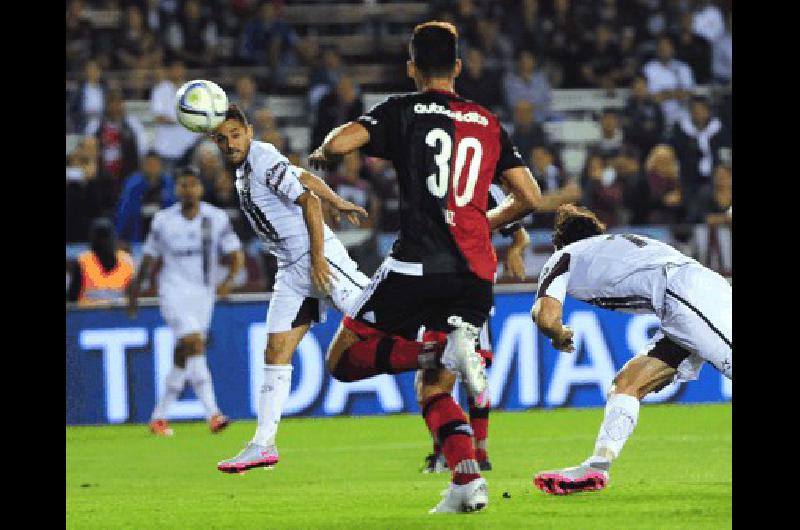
524,197
547,313
338,142
324,192
136,285
236,263
514,262
312,213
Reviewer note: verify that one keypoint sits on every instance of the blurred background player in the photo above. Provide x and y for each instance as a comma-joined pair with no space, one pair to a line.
189,237
282,202
442,266
103,272
479,416
634,274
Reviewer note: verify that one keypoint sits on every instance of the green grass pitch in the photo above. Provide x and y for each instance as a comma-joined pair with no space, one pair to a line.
363,472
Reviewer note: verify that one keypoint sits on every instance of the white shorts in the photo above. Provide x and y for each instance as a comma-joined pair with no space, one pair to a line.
698,316
190,314
295,300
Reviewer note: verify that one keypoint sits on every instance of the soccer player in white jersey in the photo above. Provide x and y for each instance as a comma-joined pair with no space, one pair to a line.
634,274
189,237
282,202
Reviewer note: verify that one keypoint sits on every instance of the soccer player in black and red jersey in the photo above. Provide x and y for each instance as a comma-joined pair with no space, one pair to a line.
447,151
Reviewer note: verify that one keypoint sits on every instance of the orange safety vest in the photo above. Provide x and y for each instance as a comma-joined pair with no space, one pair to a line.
100,287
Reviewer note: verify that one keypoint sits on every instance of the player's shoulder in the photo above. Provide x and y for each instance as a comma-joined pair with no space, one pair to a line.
164,214
264,155
210,210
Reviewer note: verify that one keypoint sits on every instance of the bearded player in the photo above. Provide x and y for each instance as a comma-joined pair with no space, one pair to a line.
440,273
282,203
636,274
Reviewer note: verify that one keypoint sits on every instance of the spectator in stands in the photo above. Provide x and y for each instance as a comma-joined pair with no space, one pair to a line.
700,142
564,40
526,133
155,17
557,188
134,43
611,136
208,162
630,55
87,102
475,84
722,55
693,50
102,273
172,140
707,20
323,77
528,84
497,49
466,18
642,119
263,121
716,208
670,81
340,106
382,176
145,192
348,184
526,27
85,192
192,37
247,97
604,191
267,40
663,187
79,37
602,67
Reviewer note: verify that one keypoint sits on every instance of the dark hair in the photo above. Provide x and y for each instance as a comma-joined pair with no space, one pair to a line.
235,113
186,170
151,153
574,223
699,99
434,48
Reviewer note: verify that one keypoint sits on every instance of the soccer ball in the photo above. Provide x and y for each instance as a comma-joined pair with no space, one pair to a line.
201,105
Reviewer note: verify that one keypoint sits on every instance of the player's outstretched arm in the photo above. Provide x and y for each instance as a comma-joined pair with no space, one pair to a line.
515,262
324,192
136,284
340,141
547,313
312,213
524,197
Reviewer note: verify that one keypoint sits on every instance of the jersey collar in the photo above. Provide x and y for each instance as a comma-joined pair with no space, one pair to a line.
441,91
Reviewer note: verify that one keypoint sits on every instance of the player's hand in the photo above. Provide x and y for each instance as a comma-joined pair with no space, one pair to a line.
225,288
515,263
319,160
321,274
563,342
352,211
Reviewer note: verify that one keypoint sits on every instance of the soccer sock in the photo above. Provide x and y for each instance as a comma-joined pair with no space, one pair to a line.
479,420
622,412
385,354
200,378
176,378
274,393
446,422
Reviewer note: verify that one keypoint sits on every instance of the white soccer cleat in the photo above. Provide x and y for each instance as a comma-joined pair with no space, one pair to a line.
468,498
459,355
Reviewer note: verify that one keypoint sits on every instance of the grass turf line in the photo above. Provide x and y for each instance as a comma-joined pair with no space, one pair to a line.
363,472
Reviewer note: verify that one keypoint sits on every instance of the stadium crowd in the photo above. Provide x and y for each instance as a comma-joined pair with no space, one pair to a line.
662,159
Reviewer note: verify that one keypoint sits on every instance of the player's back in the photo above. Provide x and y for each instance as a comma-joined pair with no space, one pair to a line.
447,151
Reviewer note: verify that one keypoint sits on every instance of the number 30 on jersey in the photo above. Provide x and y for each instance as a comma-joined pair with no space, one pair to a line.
437,182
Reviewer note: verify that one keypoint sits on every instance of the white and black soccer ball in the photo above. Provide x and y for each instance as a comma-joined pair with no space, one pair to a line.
201,105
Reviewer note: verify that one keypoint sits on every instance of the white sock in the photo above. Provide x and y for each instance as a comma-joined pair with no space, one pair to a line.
274,393
200,379
176,378
622,413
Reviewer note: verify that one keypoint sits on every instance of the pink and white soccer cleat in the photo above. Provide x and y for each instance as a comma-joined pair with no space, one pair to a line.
253,455
571,480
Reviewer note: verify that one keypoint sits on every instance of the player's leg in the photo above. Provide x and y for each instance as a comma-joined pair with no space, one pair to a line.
175,381
448,424
199,377
479,415
640,376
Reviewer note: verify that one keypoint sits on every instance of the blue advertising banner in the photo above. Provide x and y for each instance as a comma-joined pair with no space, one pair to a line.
115,366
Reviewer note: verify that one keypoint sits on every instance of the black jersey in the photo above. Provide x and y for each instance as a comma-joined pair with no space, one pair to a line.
447,151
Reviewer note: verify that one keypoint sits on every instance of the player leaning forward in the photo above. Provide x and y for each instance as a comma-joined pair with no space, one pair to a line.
282,203
188,237
447,151
633,274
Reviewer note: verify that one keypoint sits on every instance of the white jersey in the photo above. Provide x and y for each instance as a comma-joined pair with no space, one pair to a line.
623,272
268,187
190,249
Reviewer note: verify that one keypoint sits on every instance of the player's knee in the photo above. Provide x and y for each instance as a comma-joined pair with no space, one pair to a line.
343,340
435,382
